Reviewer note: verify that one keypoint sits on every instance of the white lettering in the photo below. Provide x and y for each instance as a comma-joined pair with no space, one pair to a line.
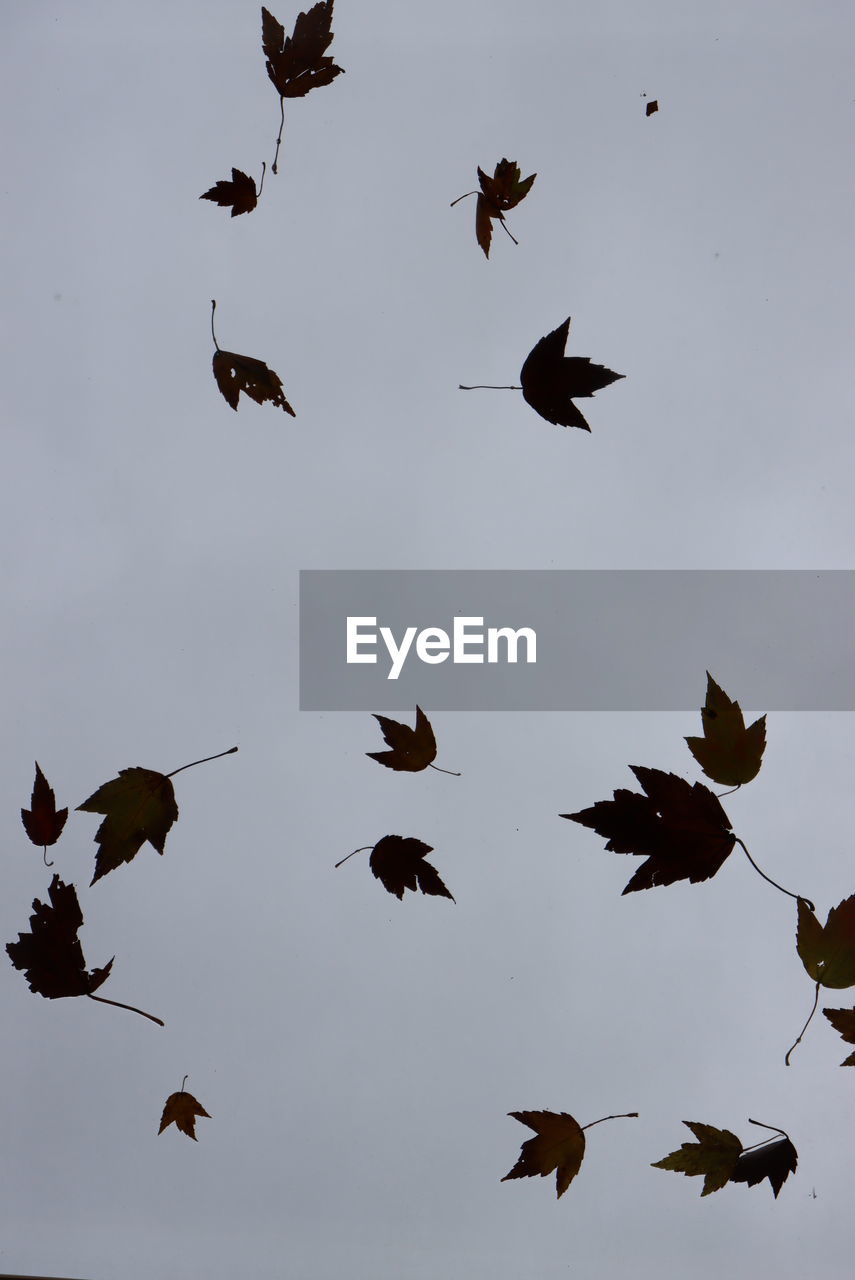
354,640
432,645
462,638
398,653
511,637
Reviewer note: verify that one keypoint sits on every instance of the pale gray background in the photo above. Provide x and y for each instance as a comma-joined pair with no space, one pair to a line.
358,1054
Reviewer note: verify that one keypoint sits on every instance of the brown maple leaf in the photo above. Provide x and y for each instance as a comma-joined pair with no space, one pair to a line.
680,827
235,374
139,805
843,1020
729,753
551,381
240,193
297,63
43,822
828,951
559,1145
398,862
719,1157
503,191
51,955
774,1160
412,749
181,1109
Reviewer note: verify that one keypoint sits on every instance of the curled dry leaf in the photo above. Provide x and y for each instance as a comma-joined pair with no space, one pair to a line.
50,954
729,753
503,191
236,374
680,827
43,822
551,381
181,1109
240,193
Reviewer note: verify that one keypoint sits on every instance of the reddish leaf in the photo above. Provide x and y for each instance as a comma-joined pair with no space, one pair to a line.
181,1109
680,828
236,374
728,753
503,191
843,1020
828,951
773,1160
398,863
412,749
240,193
139,805
551,381
295,63
559,1145
43,823
50,954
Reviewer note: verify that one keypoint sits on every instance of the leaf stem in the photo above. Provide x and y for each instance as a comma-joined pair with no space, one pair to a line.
505,225
481,386
803,1030
463,197
213,335
183,1082
761,1125
273,168
361,849
774,883
448,771
623,1115
204,760
45,857
261,183
131,1007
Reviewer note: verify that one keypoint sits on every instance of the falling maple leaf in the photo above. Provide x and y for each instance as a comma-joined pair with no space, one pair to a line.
503,191
181,1109
678,826
412,749
843,1020
551,381
51,955
43,822
719,1157
728,753
139,805
398,863
235,374
828,951
559,1145
297,63
240,193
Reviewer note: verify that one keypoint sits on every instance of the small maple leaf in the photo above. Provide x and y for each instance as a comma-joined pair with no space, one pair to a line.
551,381
828,951
559,1145
680,827
843,1020
240,193
139,805
181,1109
412,749
714,1155
503,191
728,753
296,63
43,822
398,862
774,1160
50,954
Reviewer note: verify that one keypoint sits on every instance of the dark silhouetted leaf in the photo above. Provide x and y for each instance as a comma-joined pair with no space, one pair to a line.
714,1155
773,1160
828,952
296,63
240,193
679,827
843,1020
728,753
181,1109
139,805
652,107
398,863
559,1145
43,822
50,954
551,381
503,191
412,749
236,374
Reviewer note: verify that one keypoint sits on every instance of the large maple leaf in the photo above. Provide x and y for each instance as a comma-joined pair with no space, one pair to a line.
398,862
559,1145
729,753
296,63
411,749
719,1157
43,822
139,805
181,1109
551,381
678,826
51,955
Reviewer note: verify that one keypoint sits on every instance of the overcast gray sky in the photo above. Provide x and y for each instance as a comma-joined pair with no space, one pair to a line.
358,1055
